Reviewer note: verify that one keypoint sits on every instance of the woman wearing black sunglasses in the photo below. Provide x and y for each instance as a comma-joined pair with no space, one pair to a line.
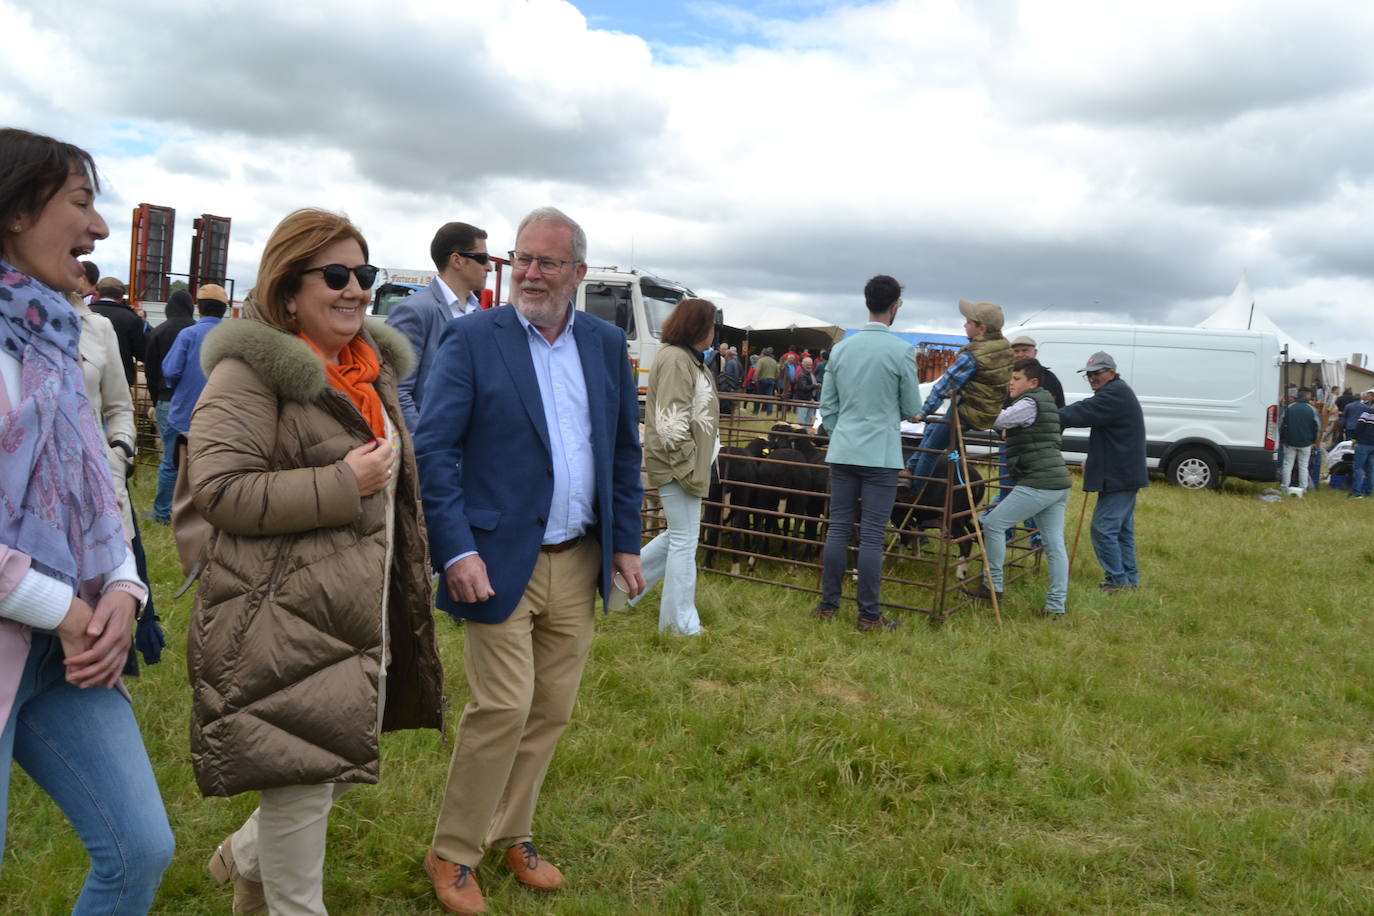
312,629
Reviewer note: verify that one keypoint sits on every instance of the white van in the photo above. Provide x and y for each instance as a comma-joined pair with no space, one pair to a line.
1210,397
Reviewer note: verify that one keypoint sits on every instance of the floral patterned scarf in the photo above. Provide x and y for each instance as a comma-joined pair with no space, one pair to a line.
57,501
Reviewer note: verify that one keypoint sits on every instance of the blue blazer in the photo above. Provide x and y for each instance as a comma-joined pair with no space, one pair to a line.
421,317
486,475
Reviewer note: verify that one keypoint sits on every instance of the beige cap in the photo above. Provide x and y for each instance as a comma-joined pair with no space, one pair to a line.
988,314
212,291
1023,341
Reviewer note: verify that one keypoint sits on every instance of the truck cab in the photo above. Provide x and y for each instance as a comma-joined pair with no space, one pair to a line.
637,303
395,285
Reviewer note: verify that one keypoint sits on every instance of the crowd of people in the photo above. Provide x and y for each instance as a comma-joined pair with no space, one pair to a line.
1000,385
326,469
1323,434
798,376
326,458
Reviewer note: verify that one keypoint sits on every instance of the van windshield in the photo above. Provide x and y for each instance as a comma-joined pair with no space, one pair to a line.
659,301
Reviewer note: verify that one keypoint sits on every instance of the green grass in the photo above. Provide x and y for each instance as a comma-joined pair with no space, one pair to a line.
1199,746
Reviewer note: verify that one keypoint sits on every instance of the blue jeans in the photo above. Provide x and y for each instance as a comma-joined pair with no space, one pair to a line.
167,469
850,486
83,748
1114,536
806,416
1362,466
1047,506
1291,454
1006,482
922,464
766,386
672,557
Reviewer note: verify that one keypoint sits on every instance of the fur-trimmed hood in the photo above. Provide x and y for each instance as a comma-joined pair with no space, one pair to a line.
286,363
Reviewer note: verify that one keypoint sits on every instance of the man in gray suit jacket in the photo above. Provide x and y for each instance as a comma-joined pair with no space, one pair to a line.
459,252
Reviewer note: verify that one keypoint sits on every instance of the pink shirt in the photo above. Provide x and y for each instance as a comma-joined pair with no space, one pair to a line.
14,637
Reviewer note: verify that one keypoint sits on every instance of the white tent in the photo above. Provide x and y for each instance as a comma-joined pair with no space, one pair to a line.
771,317
1240,311
771,326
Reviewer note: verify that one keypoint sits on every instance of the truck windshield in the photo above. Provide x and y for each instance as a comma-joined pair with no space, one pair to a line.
659,301
388,295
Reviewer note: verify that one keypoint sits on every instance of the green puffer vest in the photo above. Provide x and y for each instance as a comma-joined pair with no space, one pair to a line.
1033,456
981,399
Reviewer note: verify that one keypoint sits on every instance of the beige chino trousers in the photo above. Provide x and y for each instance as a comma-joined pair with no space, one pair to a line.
523,673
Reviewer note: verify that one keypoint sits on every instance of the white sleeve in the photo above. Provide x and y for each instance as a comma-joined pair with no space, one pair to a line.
38,601
126,571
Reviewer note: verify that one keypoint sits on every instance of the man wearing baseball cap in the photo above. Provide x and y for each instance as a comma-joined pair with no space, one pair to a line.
1115,467
1023,347
979,373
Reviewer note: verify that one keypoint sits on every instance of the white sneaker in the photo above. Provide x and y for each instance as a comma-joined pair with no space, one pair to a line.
1295,491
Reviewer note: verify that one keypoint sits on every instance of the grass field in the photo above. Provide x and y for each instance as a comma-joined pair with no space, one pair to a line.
1199,746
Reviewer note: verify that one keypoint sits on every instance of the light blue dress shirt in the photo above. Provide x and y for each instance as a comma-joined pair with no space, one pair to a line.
563,389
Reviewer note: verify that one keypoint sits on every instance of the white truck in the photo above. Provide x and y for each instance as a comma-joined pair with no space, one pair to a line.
395,284
637,303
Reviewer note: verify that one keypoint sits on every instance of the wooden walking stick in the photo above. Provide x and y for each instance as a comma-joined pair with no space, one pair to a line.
1078,531
973,508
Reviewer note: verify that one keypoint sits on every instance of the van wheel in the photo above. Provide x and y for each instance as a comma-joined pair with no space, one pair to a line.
1195,469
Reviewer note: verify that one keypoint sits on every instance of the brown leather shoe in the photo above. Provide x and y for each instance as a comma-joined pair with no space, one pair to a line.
455,885
824,613
531,870
248,895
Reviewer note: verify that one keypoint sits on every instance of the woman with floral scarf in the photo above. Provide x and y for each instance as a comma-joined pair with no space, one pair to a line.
69,592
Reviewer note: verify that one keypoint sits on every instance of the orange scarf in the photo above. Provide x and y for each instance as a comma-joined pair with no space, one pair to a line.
358,368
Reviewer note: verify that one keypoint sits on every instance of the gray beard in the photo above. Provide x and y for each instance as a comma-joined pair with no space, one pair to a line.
546,316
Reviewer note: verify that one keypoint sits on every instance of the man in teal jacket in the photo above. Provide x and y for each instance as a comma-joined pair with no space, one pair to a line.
870,385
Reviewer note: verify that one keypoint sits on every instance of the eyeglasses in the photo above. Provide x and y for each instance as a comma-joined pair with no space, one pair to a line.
1096,372
481,257
336,275
550,266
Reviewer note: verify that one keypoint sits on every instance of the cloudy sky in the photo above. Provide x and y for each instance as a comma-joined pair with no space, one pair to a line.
1071,160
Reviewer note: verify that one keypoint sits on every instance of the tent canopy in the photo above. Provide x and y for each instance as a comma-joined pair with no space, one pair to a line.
1240,311
780,328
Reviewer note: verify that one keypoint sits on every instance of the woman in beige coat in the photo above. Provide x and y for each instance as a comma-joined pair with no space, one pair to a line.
681,417
313,630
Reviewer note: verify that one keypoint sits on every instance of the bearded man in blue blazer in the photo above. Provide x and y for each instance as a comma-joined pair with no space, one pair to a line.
459,253
528,446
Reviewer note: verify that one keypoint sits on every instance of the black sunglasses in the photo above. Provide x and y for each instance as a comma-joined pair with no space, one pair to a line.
336,275
481,257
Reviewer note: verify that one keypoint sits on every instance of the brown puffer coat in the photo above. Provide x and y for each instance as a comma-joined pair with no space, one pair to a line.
285,644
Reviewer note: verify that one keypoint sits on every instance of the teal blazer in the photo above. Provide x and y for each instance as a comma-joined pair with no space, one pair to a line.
870,386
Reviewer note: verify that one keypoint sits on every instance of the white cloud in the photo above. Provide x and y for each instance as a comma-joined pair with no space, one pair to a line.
1122,160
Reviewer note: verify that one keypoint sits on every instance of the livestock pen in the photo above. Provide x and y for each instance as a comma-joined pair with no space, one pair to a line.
765,518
